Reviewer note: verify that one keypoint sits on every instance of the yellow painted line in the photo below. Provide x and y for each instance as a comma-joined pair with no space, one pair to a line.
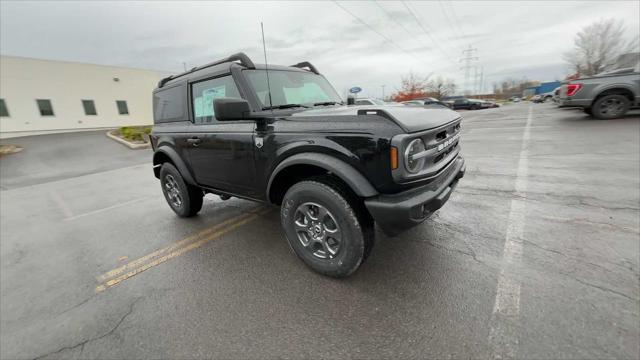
180,251
136,263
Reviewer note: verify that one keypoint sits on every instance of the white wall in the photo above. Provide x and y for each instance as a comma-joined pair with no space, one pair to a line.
66,84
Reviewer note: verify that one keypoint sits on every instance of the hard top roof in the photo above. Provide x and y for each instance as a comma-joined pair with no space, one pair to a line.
225,65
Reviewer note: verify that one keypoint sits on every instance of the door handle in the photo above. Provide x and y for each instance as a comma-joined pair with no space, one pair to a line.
195,141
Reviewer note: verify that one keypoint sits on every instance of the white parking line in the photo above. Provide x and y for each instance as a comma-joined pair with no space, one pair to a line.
62,205
104,209
503,335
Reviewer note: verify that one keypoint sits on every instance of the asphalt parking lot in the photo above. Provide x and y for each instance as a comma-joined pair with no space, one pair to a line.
536,255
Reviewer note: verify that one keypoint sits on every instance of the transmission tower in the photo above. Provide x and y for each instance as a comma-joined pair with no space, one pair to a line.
468,58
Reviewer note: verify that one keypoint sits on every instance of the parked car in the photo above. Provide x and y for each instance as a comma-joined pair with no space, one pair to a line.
537,98
367,101
607,95
547,96
469,104
332,169
425,102
514,99
491,104
556,94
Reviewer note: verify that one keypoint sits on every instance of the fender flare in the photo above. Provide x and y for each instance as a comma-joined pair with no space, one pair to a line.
177,161
352,177
617,86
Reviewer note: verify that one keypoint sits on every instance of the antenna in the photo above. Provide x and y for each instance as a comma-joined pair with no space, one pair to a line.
266,66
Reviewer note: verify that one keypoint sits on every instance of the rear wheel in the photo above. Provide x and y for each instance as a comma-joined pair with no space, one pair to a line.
326,226
185,200
610,106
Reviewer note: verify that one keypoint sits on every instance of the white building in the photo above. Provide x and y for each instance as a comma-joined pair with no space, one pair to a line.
40,96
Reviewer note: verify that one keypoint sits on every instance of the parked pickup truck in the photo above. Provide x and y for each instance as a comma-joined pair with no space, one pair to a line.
289,140
607,95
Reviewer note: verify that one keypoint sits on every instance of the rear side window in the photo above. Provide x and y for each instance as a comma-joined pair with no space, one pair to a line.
168,104
205,92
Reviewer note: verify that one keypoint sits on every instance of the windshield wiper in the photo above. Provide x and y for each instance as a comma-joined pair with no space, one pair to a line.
327,103
283,106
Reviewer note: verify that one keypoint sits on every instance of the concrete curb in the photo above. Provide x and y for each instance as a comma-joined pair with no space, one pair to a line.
126,143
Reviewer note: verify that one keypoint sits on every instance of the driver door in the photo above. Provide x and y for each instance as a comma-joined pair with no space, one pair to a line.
221,153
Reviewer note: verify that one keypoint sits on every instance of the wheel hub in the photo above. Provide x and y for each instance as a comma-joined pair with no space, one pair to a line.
173,191
317,230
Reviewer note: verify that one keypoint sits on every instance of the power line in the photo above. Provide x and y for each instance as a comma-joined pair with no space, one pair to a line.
455,18
425,30
392,18
453,29
411,35
376,31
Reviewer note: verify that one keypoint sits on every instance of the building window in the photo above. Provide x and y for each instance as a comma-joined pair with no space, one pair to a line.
89,107
45,107
122,107
3,108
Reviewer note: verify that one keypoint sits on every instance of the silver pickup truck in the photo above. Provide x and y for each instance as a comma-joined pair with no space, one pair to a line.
606,95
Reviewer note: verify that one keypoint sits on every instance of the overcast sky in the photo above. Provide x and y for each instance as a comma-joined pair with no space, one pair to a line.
364,43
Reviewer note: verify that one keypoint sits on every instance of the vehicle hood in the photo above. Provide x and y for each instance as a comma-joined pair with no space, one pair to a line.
409,118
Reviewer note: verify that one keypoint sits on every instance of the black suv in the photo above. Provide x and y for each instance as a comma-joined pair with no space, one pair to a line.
469,104
282,135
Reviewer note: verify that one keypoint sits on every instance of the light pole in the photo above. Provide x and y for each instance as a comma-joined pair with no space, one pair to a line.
383,91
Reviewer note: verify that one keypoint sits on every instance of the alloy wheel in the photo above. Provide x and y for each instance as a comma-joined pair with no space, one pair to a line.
317,230
173,191
612,107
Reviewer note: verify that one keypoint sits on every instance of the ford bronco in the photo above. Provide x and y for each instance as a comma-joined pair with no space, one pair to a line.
282,135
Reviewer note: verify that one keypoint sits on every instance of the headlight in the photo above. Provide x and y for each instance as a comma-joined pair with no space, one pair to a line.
414,165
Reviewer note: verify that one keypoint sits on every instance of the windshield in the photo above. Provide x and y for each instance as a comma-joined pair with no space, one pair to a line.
292,87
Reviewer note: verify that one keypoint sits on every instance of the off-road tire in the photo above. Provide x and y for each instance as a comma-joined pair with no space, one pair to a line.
620,103
354,223
190,196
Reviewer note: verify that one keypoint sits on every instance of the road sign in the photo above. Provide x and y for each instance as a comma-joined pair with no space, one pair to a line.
355,90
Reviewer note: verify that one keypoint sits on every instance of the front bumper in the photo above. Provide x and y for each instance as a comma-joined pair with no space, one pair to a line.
396,213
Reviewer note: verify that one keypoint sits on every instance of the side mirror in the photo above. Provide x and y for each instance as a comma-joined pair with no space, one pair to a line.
229,109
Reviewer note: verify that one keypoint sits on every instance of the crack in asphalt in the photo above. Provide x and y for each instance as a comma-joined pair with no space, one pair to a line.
84,342
540,197
605,289
79,304
578,259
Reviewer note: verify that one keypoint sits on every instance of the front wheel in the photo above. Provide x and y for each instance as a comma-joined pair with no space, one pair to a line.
610,106
326,227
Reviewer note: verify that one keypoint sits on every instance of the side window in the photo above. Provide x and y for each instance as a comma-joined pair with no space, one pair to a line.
168,104
3,108
203,93
123,109
45,107
89,107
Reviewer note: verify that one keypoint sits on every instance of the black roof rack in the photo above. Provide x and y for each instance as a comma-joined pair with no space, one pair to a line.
306,64
242,57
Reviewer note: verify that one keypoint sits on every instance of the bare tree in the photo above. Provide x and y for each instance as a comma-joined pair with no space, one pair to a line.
413,87
440,87
597,46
